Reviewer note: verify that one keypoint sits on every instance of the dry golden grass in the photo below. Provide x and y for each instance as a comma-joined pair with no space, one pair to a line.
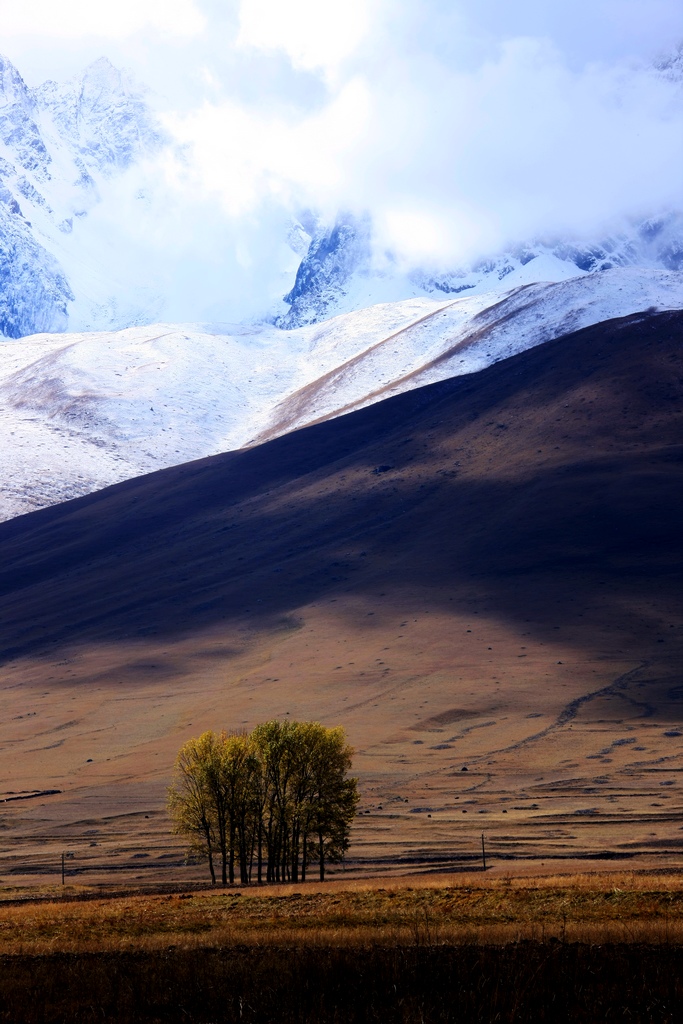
612,908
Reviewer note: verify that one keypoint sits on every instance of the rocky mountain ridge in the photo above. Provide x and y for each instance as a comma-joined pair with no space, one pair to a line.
339,273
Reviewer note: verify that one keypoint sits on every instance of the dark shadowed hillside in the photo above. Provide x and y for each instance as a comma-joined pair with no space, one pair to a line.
560,465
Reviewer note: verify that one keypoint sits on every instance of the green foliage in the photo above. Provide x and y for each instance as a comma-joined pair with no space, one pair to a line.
270,802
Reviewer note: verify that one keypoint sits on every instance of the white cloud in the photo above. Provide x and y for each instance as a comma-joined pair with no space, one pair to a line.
245,157
454,163
316,35
74,19
458,124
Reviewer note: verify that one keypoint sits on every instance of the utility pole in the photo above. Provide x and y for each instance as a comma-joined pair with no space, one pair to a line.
63,872
483,851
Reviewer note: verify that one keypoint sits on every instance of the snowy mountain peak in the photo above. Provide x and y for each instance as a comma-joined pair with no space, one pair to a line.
13,89
102,116
332,258
20,138
670,65
104,80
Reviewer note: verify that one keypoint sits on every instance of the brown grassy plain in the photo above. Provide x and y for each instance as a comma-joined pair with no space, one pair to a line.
417,911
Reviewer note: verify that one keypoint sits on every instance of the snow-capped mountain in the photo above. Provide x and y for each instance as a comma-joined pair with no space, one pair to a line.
81,411
58,145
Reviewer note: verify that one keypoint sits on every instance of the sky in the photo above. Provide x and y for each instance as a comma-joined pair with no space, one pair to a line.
460,125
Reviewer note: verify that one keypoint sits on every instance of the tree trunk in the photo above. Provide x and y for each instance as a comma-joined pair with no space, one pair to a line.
207,835
244,870
250,852
295,856
223,842
321,847
259,861
269,849
232,856
281,869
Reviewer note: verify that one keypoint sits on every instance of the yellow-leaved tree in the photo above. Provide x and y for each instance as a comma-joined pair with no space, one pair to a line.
272,801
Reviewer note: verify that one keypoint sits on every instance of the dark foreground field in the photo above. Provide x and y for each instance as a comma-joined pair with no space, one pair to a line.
581,949
524,981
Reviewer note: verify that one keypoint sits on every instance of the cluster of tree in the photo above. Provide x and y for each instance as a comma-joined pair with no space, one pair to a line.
273,801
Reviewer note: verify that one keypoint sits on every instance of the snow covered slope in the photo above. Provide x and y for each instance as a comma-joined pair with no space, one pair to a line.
466,334
81,411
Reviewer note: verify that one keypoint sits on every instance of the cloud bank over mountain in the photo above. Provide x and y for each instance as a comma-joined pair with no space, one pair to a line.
460,129
454,164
